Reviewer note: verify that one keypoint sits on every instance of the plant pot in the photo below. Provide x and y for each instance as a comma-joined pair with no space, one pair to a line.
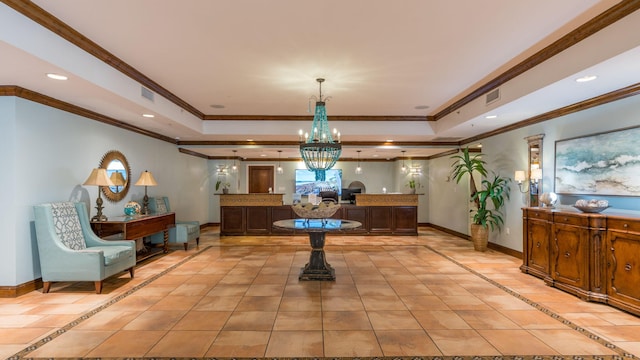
225,191
479,237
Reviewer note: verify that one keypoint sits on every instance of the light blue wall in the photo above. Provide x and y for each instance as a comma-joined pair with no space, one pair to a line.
51,153
506,153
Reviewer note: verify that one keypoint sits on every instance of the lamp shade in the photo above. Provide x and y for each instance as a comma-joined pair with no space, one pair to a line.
146,179
519,176
117,179
536,174
98,177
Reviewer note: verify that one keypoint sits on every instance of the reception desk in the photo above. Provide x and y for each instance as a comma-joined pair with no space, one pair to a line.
379,214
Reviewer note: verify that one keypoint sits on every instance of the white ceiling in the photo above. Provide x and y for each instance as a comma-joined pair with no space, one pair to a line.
261,58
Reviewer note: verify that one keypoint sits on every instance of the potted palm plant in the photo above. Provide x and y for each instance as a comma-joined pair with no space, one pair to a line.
492,192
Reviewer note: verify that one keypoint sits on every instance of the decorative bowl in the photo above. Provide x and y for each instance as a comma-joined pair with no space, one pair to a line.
132,208
590,209
309,211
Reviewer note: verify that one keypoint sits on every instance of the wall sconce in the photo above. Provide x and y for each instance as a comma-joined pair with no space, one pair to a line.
519,177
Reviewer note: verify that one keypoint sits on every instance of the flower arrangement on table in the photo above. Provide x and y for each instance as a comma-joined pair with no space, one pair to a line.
321,211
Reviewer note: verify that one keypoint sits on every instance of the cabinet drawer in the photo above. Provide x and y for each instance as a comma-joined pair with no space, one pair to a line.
539,214
570,219
619,224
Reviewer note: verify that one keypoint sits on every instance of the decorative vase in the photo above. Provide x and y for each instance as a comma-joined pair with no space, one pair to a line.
479,237
132,208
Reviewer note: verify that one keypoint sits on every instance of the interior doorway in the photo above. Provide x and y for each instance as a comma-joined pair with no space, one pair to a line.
261,178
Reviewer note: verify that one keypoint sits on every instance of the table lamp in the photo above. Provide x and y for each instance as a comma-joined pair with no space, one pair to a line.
117,179
98,177
146,179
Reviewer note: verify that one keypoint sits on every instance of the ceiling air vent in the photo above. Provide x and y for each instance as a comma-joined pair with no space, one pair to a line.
492,96
146,93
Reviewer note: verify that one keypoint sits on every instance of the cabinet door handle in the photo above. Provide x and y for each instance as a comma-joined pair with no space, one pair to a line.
627,267
538,244
566,219
625,226
567,254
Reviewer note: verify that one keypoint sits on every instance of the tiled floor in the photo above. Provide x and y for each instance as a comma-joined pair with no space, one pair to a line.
426,295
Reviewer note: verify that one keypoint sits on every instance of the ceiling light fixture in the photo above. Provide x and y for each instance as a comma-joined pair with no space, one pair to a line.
56,76
358,168
234,167
403,169
279,169
148,115
491,116
586,78
319,151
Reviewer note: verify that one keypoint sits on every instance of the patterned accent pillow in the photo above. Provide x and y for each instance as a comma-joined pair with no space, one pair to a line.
67,225
161,207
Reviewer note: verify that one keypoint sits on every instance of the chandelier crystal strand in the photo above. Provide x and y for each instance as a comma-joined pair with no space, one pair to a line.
320,151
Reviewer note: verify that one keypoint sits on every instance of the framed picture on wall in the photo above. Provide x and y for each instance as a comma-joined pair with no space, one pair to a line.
599,164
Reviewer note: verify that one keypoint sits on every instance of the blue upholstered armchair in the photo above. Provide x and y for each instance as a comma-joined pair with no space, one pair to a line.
182,233
70,251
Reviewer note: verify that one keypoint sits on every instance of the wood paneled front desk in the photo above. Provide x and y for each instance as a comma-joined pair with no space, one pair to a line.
379,214
593,256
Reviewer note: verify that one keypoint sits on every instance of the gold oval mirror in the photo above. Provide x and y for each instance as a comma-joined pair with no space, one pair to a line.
120,174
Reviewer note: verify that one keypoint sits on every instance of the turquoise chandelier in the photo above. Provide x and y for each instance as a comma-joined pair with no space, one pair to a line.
319,150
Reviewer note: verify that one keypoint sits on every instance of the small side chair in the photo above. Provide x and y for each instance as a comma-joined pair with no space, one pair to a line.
182,233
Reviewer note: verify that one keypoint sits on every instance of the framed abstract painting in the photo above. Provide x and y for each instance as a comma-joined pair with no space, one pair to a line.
599,164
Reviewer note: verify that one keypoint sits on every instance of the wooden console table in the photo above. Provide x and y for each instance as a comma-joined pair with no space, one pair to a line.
133,227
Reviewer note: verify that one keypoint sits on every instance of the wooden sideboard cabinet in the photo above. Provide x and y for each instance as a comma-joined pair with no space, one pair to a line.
593,256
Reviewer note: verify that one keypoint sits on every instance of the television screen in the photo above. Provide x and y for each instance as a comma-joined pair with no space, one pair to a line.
306,182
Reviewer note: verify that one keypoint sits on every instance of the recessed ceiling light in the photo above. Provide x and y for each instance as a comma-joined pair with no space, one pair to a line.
389,140
148,115
249,139
421,107
263,155
217,106
56,76
586,78
491,116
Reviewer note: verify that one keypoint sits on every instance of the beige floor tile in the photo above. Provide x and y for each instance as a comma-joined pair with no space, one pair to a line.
351,343
239,344
440,319
228,290
619,332
486,319
516,342
568,342
460,302
108,320
393,320
259,303
301,303
423,302
412,289
155,320
203,320
251,320
533,319
22,335
345,320
217,303
407,343
127,344
298,320
342,303
74,343
300,343
462,342
183,344
379,303
265,290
